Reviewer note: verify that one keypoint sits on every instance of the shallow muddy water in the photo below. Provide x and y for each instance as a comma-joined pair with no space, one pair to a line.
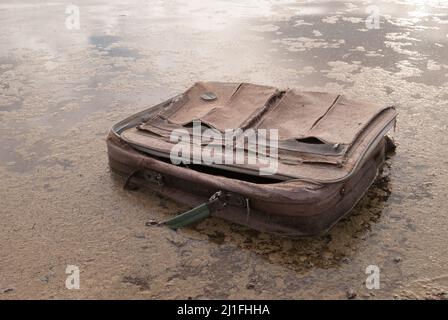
61,90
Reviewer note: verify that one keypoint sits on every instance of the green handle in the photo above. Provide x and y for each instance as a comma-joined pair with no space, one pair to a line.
194,215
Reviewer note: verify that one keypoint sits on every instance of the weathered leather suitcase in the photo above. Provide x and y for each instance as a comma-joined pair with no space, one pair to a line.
326,150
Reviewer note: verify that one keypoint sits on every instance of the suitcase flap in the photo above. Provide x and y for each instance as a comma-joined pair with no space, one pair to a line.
314,129
218,105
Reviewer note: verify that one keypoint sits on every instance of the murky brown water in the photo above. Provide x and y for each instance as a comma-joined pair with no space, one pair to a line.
61,90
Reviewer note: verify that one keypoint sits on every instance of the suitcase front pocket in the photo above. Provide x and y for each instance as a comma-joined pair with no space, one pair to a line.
318,127
230,106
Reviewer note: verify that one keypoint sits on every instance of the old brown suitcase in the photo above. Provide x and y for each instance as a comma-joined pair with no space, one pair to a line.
327,152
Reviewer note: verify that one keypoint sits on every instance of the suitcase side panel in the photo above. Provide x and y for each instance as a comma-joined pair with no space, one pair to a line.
288,208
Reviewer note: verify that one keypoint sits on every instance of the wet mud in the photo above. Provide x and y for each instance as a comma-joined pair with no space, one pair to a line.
61,90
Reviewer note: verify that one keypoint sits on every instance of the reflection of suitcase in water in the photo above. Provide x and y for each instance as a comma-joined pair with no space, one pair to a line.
329,151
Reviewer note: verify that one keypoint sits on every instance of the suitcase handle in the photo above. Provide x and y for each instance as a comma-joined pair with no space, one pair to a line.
216,202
